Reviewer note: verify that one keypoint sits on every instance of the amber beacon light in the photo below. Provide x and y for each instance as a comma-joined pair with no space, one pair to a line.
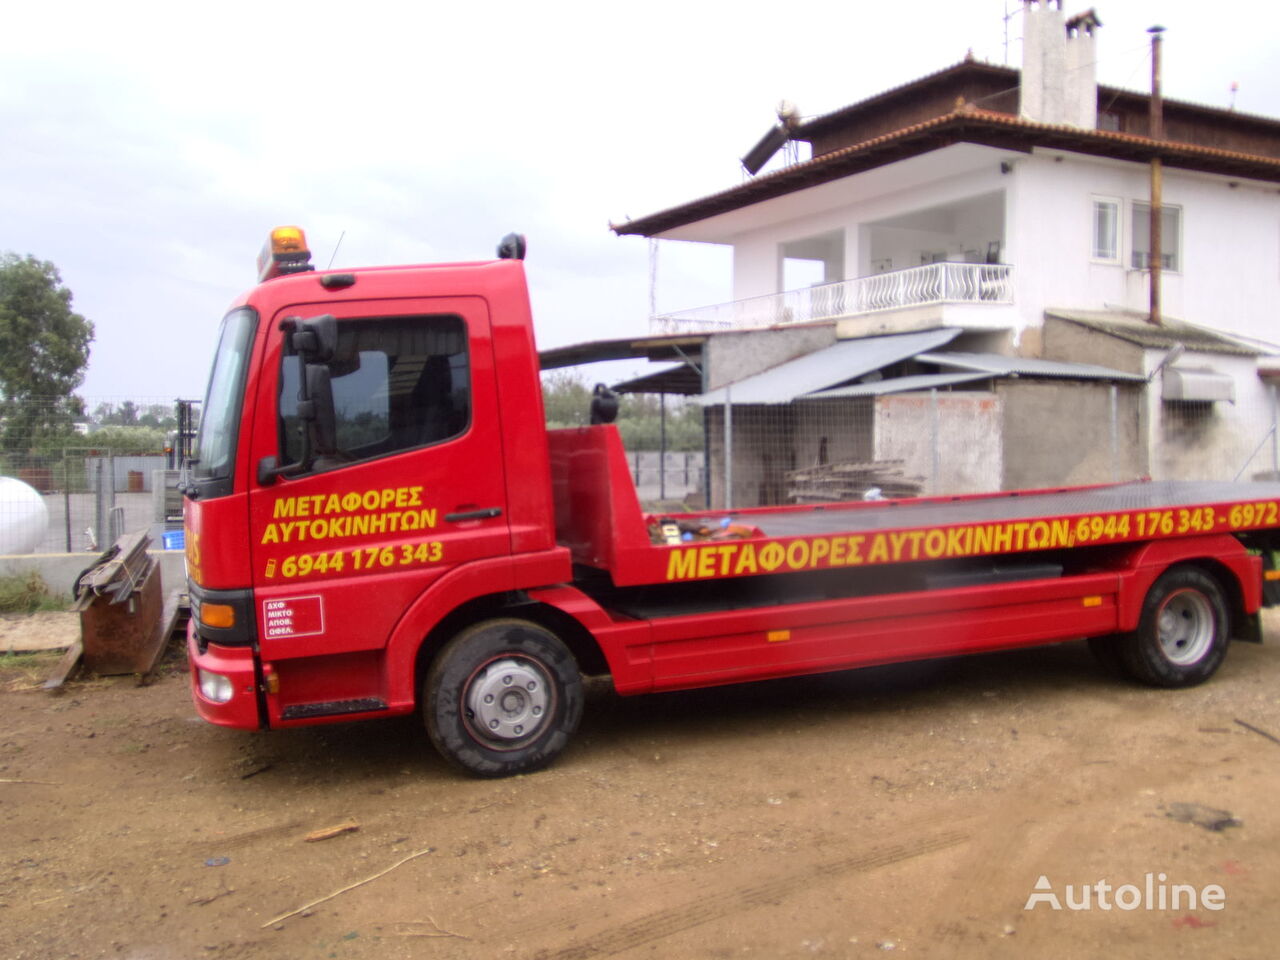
284,252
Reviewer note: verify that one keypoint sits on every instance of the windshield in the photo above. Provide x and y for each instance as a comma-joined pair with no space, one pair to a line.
216,442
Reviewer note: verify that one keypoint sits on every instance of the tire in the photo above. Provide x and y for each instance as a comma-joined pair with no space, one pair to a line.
503,697
1183,631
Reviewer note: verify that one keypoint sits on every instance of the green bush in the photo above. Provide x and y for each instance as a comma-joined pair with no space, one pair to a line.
19,594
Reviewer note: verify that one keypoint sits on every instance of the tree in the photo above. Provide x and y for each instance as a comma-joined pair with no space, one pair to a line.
567,401
44,347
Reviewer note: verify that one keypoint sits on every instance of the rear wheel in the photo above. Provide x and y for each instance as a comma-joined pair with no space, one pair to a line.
502,697
1183,631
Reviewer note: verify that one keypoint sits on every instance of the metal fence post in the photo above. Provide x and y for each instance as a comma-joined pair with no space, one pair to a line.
728,448
1115,434
662,446
934,484
1275,435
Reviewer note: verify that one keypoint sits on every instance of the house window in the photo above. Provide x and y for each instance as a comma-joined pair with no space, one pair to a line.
1106,229
1170,237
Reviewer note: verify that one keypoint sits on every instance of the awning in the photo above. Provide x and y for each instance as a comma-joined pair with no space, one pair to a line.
925,381
660,348
1202,385
679,378
997,365
832,366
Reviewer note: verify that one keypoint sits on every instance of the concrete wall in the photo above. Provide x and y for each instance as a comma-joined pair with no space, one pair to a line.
1213,441
60,570
1059,433
729,357
1073,343
1230,243
964,428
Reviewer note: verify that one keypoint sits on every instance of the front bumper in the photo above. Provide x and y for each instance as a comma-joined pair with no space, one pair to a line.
237,665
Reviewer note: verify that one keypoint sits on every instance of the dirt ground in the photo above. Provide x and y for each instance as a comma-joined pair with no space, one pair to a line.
908,809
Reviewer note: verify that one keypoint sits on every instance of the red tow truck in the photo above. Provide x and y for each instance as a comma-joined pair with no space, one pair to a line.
378,521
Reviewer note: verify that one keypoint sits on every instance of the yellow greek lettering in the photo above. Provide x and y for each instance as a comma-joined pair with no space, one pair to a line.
682,565
818,551
707,562
726,553
771,556
935,543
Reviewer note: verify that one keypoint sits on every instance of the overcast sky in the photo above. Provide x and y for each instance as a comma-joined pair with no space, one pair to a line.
146,149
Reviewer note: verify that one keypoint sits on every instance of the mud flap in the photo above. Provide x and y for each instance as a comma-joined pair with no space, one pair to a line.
1248,628
1270,579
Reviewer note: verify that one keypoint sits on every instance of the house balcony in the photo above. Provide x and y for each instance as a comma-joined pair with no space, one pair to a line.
934,285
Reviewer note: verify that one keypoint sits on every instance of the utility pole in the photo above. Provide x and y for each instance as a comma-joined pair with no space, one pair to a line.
1157,177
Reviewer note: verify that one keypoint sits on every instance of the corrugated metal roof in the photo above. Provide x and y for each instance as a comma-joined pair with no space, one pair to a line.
1134,327
924,381
995,365
679,378
829,367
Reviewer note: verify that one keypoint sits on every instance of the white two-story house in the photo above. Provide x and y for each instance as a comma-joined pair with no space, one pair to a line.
1011,209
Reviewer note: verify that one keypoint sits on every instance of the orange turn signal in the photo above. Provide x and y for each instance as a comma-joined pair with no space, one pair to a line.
220,615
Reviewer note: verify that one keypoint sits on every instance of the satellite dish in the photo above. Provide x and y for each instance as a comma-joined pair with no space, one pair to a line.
788,114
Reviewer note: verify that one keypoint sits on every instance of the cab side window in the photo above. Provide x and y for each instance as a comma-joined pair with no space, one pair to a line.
398,383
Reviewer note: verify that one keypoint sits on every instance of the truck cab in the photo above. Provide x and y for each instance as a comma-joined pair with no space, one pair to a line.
369,439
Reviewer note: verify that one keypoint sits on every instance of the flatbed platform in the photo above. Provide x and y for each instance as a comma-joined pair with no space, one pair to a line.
599,518
873,516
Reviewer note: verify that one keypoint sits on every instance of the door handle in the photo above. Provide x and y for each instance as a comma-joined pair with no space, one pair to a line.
484,514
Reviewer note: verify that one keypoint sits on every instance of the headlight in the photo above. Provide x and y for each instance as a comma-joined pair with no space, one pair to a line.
215,687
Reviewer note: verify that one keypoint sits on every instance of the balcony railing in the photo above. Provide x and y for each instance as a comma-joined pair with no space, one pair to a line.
915,286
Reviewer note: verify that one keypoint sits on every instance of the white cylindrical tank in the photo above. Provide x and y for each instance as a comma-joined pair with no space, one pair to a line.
23,517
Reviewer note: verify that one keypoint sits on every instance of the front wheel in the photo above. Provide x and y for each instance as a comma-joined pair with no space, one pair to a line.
1183,631
502,697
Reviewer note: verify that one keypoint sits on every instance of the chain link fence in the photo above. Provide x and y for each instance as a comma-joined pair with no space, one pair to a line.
1013,434
115,470
87,478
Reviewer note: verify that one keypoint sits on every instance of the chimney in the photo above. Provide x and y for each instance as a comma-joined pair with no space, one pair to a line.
1059,82
1082,70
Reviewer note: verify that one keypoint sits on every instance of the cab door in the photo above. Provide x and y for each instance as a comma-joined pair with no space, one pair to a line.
412,487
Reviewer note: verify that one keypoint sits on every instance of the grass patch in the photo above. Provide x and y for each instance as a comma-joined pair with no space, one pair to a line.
26,671
28,594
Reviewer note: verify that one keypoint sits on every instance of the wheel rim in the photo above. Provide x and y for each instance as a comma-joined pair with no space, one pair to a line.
508,701
1186,627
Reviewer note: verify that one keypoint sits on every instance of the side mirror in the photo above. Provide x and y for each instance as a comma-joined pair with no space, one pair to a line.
315,339
513,247
322,420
